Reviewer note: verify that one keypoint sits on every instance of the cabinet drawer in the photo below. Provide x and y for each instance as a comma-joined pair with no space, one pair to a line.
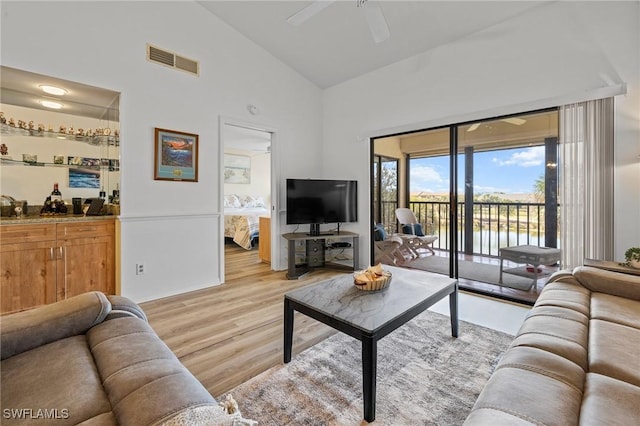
14,234
85,229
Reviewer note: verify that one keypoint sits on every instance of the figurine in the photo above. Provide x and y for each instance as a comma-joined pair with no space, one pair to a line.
4,149
63,129
12,122
41,127
31,125
2,119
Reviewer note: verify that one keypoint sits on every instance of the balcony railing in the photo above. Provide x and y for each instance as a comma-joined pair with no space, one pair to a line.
495,224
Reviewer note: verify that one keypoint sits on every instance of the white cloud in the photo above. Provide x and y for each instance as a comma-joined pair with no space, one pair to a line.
427,179
425,174
530,157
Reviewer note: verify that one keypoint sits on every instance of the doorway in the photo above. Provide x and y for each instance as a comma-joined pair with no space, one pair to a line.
248,200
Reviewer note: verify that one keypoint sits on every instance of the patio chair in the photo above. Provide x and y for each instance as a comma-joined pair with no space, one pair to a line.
386,248
414,235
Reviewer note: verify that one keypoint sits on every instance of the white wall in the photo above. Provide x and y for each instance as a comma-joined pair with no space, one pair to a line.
172,227
260,180
563,51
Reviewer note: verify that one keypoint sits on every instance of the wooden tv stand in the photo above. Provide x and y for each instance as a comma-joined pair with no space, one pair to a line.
313,243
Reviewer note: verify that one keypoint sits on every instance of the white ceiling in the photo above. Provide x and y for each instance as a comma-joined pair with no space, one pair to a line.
22,88
245,139
336,45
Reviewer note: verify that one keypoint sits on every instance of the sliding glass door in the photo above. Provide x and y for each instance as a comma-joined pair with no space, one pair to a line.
477,187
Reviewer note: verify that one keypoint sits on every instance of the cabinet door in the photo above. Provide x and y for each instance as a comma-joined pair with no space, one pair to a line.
28,275
88,264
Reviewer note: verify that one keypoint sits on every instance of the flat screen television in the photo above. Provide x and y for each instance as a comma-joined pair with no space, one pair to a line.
317,201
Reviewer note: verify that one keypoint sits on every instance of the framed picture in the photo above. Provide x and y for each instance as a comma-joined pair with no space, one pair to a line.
237,168
84,177
176,156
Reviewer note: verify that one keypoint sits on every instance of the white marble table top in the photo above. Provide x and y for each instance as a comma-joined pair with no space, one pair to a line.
369,310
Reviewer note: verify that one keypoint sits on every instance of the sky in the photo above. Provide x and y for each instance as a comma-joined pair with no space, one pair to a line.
511,171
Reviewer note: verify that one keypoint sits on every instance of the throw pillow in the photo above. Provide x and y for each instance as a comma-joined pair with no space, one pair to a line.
413,229
379,234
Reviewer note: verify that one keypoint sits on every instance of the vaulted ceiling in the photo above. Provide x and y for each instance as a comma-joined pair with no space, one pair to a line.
335,44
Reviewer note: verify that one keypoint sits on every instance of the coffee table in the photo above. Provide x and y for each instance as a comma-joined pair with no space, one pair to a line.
369,315
531,255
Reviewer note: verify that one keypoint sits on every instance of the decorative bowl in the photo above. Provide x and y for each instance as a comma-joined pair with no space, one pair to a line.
373,282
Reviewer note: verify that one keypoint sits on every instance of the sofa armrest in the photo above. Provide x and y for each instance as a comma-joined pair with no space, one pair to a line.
123,307
27,330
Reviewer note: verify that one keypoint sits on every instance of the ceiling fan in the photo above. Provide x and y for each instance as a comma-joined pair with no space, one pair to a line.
513,120
372,12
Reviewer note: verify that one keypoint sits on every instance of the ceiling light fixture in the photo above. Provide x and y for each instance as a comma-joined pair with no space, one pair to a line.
53,90
51,104
515,120
473,127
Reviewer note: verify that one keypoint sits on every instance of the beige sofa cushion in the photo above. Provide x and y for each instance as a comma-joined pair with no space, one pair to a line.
26,330
609,402
58,376
575,360
614,351
137,368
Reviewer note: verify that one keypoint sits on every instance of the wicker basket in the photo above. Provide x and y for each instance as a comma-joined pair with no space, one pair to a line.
379,283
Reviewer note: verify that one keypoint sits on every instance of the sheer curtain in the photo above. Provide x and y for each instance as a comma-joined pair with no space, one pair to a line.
586,181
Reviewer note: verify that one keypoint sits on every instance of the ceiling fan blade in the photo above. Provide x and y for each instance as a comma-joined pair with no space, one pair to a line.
515,120
377,22
309,11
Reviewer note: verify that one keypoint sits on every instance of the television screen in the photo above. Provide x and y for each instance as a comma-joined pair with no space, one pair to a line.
315,201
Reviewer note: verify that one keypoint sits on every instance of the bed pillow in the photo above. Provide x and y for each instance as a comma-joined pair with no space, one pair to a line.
232,201
259,202
252,201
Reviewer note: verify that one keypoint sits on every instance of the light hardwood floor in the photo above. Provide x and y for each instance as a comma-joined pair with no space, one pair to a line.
229,333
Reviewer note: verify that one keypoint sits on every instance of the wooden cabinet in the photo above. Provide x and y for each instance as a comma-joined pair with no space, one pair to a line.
28,266
42,263
88,257
264,242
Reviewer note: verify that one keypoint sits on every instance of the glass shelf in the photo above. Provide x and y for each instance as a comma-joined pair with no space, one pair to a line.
12,162
112,140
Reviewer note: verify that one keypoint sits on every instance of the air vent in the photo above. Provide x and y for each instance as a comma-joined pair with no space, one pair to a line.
170,59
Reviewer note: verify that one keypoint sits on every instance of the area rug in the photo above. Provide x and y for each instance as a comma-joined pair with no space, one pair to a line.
482,272
425,377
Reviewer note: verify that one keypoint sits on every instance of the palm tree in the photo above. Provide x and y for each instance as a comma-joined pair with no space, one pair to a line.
538,189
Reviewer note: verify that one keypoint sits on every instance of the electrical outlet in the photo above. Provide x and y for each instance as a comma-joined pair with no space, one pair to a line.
139,268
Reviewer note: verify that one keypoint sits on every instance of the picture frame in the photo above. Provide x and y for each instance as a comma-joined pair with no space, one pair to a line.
175,156
237,169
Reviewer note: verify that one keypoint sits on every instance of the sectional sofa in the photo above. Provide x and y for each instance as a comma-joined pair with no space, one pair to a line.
94,360
576,358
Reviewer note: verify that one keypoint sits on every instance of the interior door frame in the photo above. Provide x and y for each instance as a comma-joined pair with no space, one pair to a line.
275,188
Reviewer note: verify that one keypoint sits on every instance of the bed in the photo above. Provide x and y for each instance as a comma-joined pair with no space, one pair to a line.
241,219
